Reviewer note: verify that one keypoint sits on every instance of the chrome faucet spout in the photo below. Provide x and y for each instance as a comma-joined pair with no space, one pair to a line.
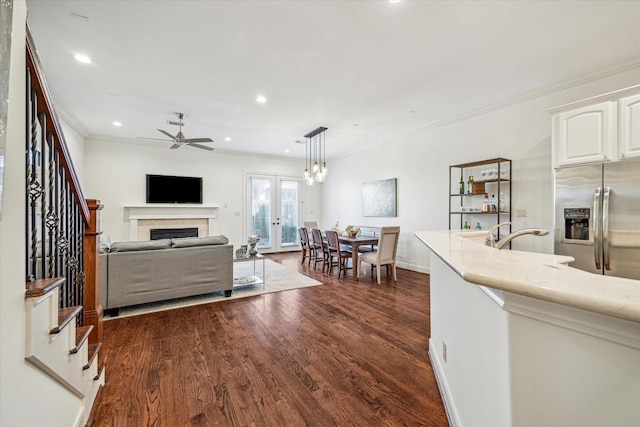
491,240
509,237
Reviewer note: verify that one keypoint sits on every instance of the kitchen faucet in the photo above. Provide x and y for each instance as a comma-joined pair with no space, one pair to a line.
490,240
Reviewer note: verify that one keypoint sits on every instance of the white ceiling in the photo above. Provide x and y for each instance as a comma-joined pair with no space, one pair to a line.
369,71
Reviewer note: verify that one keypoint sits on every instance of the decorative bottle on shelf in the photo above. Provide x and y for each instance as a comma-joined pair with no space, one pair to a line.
485,203
461,186
501,204
478,227
494,206
465,226
470,184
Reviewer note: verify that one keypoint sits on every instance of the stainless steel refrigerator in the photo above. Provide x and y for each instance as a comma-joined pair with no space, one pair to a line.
597,217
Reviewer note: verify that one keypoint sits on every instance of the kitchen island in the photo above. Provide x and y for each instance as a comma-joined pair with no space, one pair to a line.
522,339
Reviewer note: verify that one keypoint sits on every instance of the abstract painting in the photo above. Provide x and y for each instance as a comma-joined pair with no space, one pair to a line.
379,198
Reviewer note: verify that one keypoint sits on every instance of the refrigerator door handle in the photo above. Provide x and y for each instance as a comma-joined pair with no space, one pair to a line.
597,242
605,227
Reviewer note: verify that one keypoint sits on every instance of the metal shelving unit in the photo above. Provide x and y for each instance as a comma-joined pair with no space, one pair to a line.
467,207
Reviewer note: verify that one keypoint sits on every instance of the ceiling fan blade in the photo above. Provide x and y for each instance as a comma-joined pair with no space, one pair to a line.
168,134
204,147
198,140
153,139
174,146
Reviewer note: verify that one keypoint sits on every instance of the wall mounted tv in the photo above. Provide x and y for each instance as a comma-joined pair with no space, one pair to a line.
174,189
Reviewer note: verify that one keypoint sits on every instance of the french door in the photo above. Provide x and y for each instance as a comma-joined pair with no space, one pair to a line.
274,211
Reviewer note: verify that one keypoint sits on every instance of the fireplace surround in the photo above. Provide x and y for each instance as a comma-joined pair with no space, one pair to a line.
143,218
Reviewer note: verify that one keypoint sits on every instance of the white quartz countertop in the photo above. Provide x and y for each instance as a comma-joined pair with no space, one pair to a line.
541,276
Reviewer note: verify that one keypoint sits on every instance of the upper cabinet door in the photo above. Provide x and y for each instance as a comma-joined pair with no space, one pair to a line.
629,111
586,135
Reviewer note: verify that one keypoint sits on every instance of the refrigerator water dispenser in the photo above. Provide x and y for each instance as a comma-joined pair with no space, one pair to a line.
576,223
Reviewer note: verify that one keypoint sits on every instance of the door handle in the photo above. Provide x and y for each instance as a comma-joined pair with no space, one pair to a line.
605,227
597,242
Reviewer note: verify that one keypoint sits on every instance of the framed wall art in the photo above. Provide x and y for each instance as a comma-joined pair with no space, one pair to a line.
379,198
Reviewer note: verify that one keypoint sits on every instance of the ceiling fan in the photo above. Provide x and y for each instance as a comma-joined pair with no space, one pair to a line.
179,139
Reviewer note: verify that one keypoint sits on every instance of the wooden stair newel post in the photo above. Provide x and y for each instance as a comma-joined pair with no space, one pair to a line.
93,311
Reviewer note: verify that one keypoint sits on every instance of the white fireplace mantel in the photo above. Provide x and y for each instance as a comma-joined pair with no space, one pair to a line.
169,212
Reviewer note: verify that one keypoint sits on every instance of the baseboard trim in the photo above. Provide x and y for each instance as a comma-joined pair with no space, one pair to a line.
413,267
443,386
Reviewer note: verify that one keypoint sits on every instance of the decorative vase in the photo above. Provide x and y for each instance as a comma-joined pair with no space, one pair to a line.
252,249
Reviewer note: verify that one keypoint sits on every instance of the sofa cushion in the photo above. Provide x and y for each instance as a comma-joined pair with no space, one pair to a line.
185,242
140,246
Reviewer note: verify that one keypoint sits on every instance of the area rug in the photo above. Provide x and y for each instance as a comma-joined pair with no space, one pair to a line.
277,278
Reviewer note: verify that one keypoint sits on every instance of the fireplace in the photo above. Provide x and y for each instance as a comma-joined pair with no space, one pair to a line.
168,233
144,218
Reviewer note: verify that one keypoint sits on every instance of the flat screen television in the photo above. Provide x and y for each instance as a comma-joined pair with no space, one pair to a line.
174,189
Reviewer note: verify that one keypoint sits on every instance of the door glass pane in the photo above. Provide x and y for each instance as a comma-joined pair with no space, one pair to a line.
289,204
261,210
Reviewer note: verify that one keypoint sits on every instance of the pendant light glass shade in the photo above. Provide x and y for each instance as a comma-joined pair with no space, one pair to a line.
315,156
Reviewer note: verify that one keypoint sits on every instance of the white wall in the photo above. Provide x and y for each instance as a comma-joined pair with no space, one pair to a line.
115,174
27,397
75,145
521,132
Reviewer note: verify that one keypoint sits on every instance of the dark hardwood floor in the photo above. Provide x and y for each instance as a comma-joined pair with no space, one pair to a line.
346,353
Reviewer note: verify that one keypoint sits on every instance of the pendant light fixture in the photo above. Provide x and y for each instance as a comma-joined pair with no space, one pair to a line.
315,157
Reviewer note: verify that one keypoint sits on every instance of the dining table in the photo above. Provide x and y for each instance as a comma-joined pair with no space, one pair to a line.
355,243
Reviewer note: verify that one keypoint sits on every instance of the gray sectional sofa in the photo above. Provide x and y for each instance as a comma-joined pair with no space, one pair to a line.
134,273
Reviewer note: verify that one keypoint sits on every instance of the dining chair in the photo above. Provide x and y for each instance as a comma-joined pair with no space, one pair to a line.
335,251
310,225
306,245
320,253
385,254
367,232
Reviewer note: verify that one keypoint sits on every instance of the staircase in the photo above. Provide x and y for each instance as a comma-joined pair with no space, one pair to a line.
60,348
63,314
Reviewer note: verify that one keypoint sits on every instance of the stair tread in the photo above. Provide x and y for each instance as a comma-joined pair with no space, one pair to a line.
82,334
93,353
103,364
66,315
40,287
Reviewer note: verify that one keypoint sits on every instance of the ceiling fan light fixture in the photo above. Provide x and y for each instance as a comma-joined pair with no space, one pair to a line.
179,139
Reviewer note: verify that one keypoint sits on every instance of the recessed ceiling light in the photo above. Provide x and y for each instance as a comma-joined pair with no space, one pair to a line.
394,1
261,99
227,139
82,58
286,150
117,124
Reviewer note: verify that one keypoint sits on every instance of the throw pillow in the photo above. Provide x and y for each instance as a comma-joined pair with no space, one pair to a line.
185,242
140,246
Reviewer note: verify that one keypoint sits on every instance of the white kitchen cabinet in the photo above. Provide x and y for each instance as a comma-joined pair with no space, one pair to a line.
629,112
586,135
601,129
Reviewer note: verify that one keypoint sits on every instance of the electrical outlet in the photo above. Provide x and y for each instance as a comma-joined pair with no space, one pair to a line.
444,352
521,213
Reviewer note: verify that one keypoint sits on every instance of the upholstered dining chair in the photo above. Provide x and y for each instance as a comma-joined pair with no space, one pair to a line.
310,225
385,254
307,249
321,250
342,257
